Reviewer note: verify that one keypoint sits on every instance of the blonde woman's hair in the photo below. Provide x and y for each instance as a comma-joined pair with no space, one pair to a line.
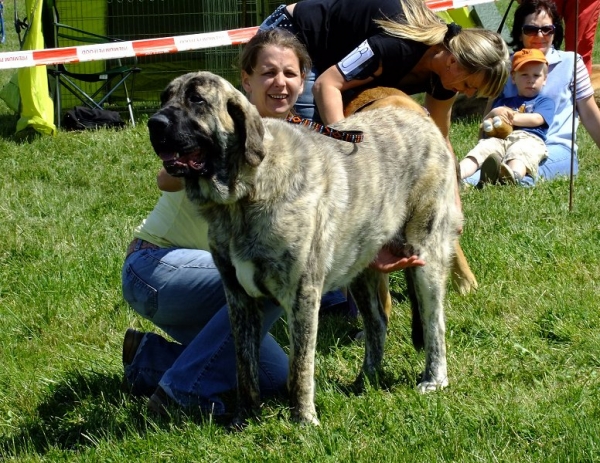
479,51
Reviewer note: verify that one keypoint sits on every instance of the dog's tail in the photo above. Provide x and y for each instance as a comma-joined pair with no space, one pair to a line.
417,324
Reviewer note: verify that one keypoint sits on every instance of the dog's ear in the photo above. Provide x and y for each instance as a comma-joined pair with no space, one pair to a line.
249,126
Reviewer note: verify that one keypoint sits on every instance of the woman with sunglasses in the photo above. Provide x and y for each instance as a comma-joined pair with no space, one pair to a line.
586,21
537,24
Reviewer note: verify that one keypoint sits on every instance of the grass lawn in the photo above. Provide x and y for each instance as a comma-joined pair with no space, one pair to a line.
523,350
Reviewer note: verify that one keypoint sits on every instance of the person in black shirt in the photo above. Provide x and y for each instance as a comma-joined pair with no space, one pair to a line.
392,43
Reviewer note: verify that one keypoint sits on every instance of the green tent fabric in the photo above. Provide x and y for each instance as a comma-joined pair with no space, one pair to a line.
10,93
36,108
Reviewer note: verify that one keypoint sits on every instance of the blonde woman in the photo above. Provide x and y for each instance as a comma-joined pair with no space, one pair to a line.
393,43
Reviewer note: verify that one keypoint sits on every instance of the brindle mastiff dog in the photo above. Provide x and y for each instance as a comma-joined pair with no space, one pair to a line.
293,213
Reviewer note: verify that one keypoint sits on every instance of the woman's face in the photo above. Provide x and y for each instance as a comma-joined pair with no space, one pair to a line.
276,82
539,40
458,79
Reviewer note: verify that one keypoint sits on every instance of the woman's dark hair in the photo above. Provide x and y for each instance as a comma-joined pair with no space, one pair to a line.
278,37
528,7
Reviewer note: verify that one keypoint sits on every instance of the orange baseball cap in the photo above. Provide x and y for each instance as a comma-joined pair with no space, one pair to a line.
527,55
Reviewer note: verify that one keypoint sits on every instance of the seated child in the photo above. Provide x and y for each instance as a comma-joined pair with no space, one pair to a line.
508,160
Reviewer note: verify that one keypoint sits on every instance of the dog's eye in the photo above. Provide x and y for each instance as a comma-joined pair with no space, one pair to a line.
196,99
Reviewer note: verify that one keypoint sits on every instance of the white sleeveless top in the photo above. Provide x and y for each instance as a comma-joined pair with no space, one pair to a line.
174,222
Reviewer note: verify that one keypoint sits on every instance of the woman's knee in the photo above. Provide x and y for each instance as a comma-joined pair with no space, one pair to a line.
558,162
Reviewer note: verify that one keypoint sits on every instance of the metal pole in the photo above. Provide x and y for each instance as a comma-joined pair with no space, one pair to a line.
504,17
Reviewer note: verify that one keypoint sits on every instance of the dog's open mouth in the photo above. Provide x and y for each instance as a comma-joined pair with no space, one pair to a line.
181,164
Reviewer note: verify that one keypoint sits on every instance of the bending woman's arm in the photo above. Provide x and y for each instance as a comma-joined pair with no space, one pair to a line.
328,90
441,113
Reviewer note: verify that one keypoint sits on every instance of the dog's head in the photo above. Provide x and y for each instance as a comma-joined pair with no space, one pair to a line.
206,130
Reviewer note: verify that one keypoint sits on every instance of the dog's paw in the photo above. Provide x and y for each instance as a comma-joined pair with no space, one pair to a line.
372,376
242,417
464,284
306,418
425,387
359,337
463,279
237,425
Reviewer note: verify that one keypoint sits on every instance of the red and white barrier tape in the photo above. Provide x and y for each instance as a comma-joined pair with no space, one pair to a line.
98,52
443,5
103,51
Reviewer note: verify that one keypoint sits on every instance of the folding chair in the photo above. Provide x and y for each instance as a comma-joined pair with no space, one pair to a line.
101,85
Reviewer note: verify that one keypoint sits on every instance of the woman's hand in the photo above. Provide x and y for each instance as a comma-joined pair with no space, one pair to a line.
590,117
167,182
387,262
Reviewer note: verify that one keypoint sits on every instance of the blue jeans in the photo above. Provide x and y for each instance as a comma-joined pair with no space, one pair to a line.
558,162
180,291
305,104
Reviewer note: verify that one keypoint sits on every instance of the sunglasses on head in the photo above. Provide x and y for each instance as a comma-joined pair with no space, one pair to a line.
532,31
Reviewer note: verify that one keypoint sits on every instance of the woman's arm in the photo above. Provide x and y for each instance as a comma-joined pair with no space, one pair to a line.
441,113
167,182
327,91
590,117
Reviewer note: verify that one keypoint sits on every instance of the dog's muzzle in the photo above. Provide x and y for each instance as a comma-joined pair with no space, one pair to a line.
179,159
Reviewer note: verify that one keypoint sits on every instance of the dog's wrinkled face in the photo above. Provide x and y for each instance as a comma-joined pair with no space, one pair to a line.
182,132
203,125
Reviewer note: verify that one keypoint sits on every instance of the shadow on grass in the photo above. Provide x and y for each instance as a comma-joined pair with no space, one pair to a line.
78,412
83,409
8,124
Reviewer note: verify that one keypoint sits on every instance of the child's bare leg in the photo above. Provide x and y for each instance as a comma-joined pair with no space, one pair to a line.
468,166
512,172
518,167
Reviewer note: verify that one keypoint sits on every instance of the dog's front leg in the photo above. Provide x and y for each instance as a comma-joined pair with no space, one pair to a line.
303,323
245,315
246,321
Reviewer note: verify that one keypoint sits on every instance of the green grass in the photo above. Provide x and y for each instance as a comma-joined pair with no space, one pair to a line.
523,351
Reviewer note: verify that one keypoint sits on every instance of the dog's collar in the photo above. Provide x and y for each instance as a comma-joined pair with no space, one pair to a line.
352,136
